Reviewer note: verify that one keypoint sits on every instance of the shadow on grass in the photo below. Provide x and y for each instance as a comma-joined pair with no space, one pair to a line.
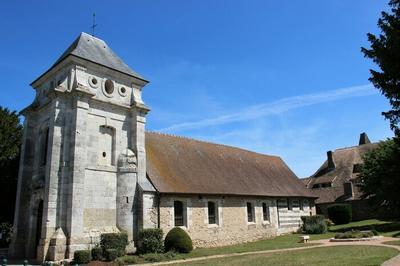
381,228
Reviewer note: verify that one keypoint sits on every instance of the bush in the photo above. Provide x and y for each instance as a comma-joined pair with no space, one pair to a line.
151,241
126,260
314,224
82,256
153,257
178,240
354,234
340,213
97,253
111,254
329,222
117,241
6,229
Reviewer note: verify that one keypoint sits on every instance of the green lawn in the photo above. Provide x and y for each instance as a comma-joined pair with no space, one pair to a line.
396,242
286,241
385,228
329,256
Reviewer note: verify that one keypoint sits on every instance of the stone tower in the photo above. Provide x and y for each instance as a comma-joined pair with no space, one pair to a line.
83,161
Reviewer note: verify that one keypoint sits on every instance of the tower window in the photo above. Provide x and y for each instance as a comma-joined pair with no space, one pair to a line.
178,213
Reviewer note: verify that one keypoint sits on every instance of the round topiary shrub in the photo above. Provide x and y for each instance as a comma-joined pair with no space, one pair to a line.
82,256
340,213
178,240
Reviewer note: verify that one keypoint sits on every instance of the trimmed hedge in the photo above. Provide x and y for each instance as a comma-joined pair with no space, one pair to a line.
97,253
82,256
340,213
117,241
111,254
314,224
151,241
178,240
354,234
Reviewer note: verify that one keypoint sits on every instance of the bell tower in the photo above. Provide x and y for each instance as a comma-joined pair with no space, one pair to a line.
83,154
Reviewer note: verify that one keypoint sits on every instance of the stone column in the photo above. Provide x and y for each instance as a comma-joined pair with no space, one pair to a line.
52,179
75,185
126,187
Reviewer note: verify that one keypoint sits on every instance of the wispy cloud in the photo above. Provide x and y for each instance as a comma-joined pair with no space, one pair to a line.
275,107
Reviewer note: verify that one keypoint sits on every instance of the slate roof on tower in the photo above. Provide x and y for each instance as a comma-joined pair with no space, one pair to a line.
182,165
97,51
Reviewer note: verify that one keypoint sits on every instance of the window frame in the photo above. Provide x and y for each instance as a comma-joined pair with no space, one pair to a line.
215,215
180,217
266,212
250,212
289,205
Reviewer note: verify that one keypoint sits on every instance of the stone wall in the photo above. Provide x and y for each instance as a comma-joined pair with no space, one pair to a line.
232,224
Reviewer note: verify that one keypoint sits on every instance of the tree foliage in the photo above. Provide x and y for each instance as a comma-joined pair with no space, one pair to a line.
385,52
381,174
10,142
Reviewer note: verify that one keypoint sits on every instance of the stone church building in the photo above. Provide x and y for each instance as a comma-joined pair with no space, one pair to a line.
89,167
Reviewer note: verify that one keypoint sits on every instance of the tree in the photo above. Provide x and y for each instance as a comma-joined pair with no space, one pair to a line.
10,142
385,52
381,174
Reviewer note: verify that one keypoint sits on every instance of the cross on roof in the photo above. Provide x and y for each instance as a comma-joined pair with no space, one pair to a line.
94,23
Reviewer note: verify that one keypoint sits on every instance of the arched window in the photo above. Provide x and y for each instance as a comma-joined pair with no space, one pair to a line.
178,213
212,213
250,214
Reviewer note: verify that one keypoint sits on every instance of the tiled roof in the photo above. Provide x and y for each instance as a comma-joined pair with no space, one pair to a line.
182,165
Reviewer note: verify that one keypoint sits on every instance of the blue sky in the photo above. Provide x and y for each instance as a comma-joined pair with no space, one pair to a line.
277,77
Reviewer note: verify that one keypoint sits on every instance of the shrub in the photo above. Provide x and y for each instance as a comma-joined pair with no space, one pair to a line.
111,254
329,222
126,260
151,241
314,224
117,241
178,240
82,256
153,257
340,213
97,253
354,234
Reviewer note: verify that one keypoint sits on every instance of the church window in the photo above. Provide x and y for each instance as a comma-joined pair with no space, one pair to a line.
357,168
178,213
45,145
250,213
109,86
265,209
212,213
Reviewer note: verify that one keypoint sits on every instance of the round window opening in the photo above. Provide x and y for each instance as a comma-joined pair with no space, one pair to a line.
109,86
104,154
94,81
123,90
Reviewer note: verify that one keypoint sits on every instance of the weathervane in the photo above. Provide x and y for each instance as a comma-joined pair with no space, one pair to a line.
94,24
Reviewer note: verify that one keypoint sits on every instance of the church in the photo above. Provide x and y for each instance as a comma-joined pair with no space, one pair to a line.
88,167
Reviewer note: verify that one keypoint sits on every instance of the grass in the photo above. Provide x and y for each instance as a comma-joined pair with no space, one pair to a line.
385,228
328,256
396,242
280,242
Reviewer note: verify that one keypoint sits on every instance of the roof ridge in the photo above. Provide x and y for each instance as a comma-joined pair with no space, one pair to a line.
211,143
355,146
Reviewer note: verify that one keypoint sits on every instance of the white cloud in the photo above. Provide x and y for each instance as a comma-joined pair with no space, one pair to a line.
275,107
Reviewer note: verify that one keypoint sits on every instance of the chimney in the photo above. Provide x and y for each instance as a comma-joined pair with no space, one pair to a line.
348,189
364,139
331,163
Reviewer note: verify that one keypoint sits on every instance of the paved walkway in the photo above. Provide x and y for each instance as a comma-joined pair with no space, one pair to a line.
395,261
